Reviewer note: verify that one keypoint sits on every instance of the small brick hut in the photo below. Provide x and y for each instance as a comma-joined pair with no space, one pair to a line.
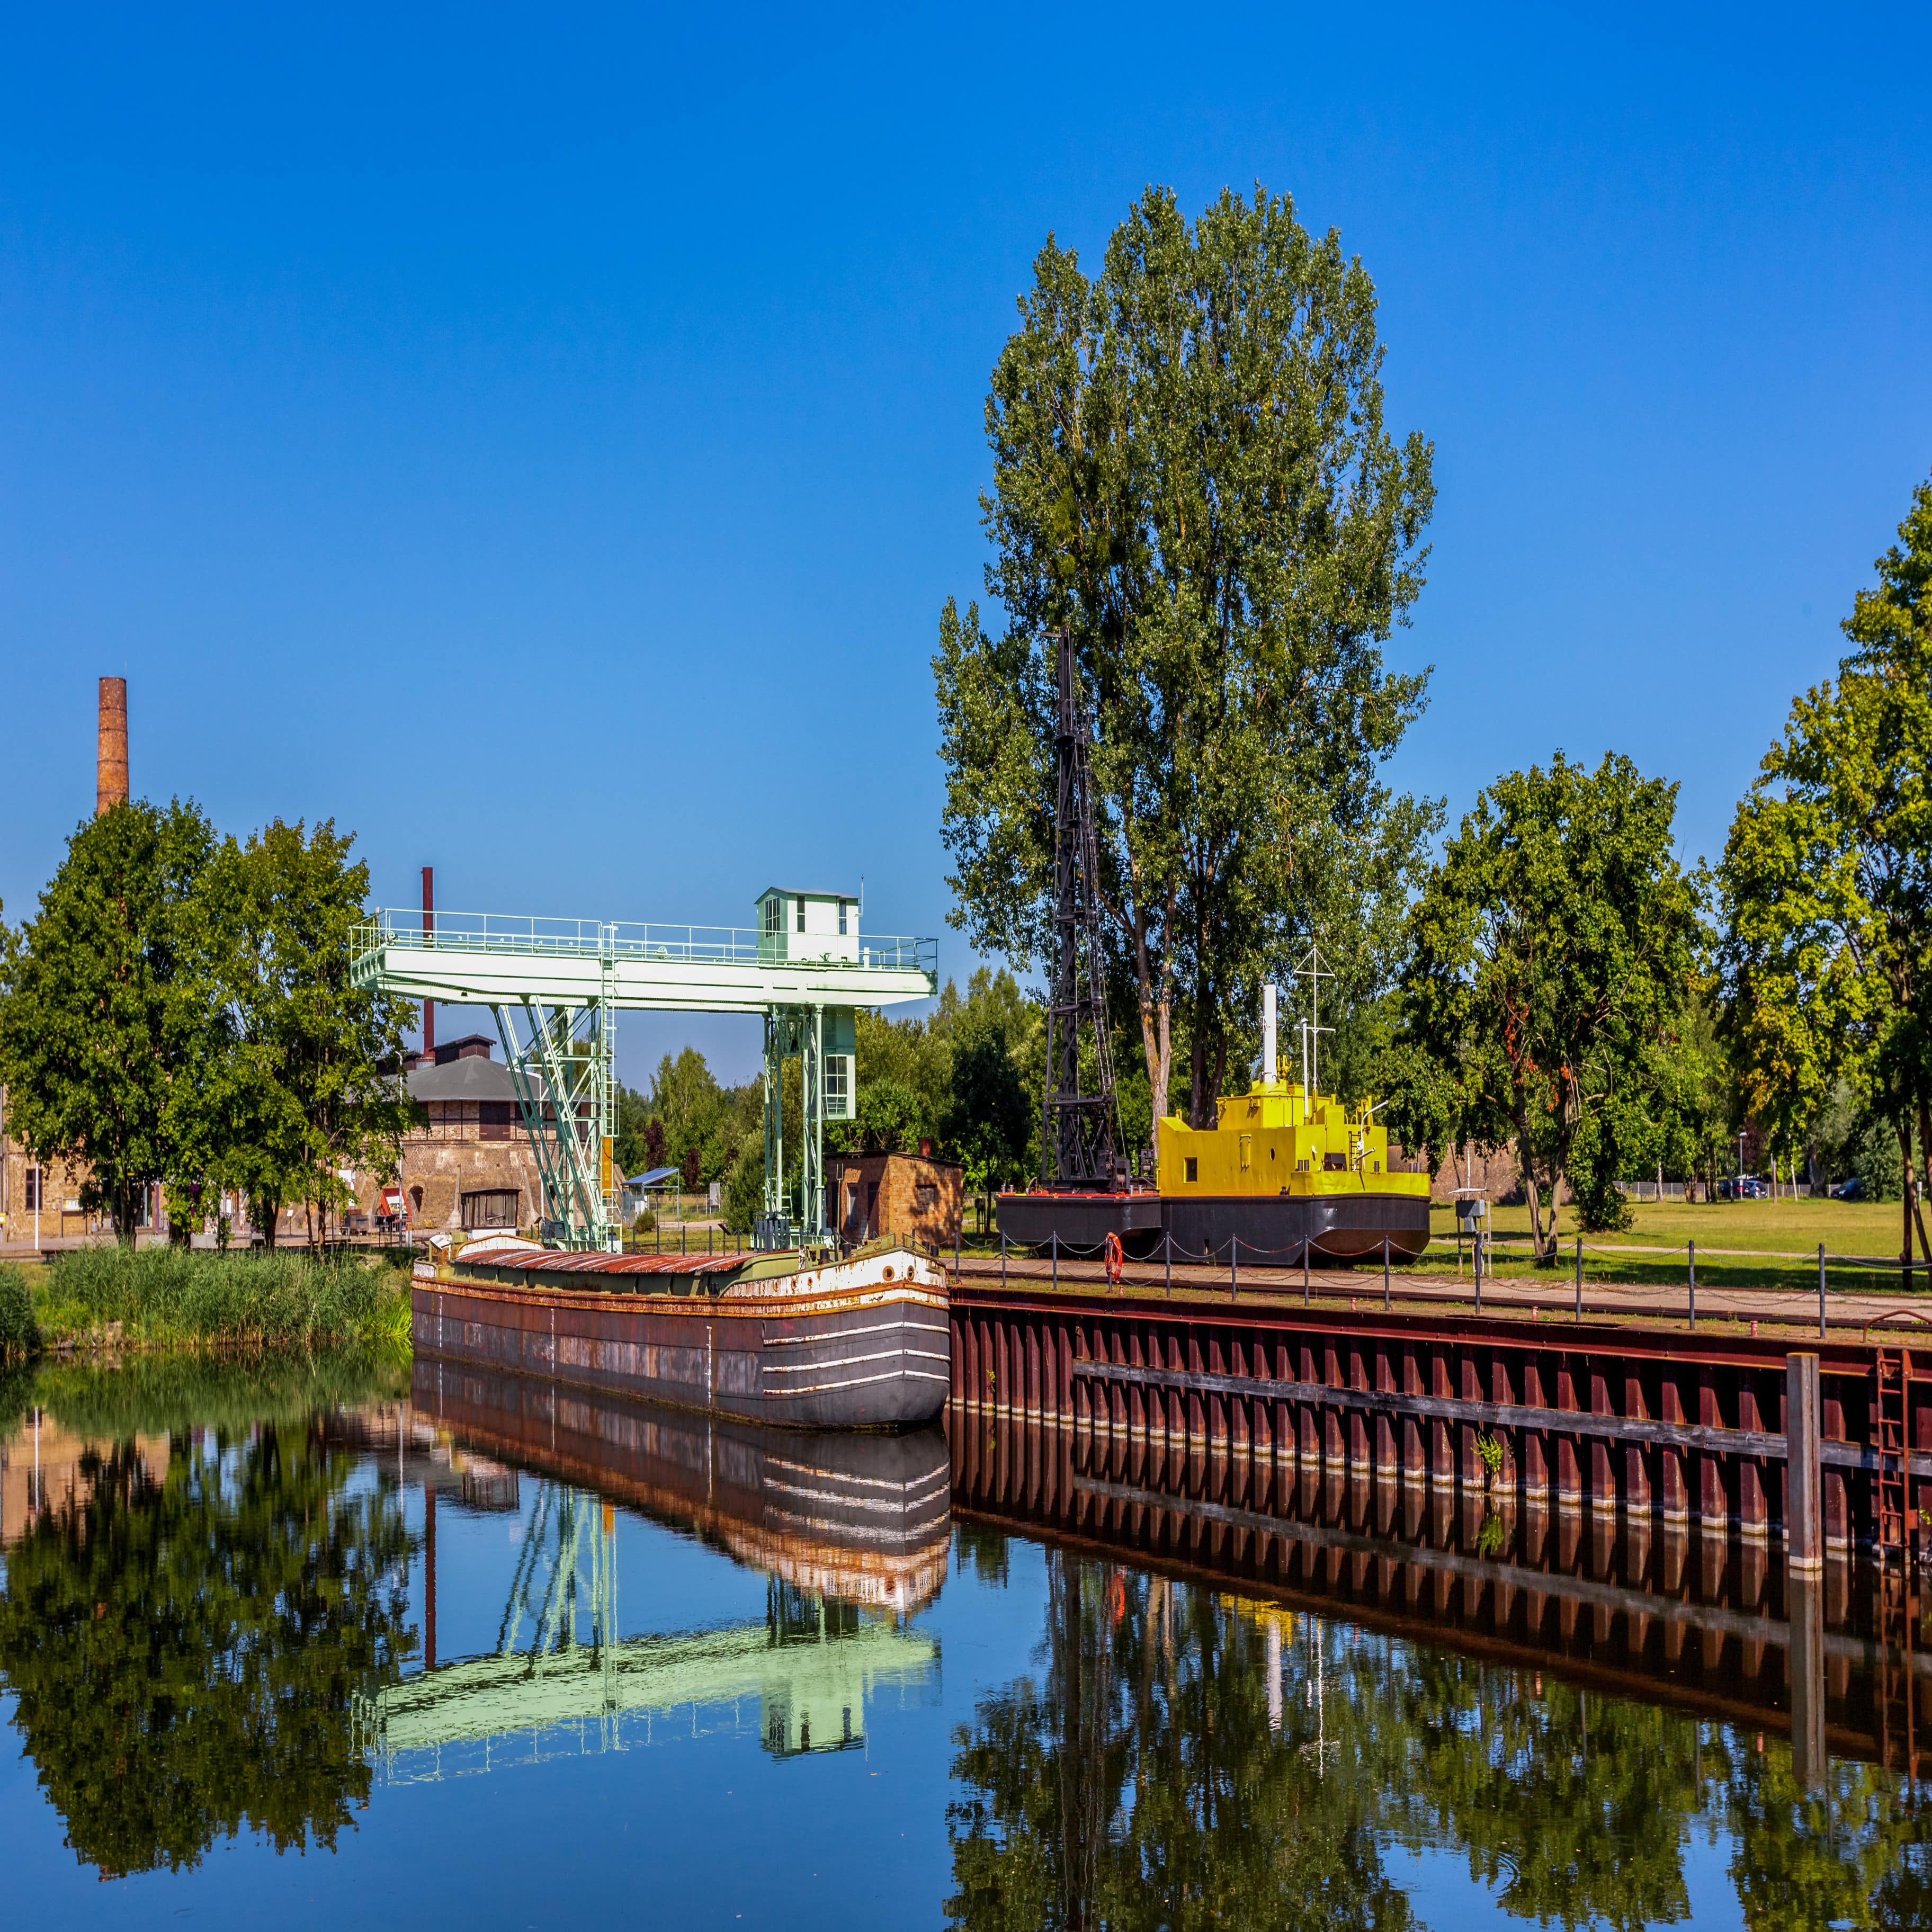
910,1194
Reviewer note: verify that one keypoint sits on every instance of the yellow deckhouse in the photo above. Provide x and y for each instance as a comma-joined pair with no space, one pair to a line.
1278,1138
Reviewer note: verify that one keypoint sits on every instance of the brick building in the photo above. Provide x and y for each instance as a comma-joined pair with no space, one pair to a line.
910,1196
54,1188
469,1164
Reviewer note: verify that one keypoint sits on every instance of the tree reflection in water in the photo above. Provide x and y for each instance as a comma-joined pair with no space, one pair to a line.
184,1650
1136,1780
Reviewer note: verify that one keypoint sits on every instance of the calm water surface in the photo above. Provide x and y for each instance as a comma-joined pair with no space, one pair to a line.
327,1643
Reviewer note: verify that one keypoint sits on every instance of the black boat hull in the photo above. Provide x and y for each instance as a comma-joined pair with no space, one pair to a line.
1272,1229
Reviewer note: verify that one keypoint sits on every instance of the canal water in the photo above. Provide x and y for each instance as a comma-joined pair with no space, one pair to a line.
336,1642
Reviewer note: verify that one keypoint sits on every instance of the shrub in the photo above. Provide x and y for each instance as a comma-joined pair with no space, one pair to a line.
20,1332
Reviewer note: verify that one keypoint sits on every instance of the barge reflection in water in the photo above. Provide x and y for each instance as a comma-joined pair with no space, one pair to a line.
1174,1693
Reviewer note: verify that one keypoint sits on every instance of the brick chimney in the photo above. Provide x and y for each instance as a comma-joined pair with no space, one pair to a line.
429,937
110,750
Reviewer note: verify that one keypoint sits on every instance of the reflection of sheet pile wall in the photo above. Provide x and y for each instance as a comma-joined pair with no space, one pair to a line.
494,1711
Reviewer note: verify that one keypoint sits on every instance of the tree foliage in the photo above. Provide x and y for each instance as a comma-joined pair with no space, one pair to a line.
183,1650
293,1092
104,1004
1550,953
1827,880
1192,471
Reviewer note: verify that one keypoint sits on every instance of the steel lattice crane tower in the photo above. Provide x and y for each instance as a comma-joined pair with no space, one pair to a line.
1079,1148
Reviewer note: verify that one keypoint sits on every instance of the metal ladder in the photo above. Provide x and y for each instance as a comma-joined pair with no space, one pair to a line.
1896,1608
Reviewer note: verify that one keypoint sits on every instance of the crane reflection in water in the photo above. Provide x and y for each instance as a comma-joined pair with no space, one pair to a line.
565,1681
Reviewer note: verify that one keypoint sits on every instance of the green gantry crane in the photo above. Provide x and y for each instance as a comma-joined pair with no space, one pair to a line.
555,987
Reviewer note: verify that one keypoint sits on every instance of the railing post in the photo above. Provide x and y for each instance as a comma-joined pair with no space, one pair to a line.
1385,1274
1692,1283
1821,1290
1803,1544
1234,1267
1003,1261
1055,1238
1304,1270
1476,1248
1580,1278
1167,1246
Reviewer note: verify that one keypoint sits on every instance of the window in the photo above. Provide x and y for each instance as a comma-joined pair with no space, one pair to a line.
801,915
490,1207
842,919
872,1207
32,1203
1334,1163
1193,1168
837,1086
495,1119
926,1195
773,914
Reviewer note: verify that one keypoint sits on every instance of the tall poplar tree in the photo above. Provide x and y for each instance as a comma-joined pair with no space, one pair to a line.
1827,881
1192,471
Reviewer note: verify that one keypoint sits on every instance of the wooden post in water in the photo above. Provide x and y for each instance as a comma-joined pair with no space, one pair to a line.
1803,1538
1805,1600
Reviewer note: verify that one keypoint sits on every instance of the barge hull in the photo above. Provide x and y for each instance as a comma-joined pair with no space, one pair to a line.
877,1359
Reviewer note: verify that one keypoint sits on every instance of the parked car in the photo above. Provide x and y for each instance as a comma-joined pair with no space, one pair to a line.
1853,1189
1742,1187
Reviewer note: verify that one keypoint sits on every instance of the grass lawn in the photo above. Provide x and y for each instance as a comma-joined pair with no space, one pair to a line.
1761,1227
1729,1234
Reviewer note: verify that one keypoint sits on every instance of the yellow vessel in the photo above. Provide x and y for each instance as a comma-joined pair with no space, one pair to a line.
1284,1166
1286,1175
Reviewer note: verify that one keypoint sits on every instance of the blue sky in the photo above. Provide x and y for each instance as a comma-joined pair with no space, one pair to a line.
543,440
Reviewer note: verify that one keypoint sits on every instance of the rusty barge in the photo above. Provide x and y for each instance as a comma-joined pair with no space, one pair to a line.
857,1343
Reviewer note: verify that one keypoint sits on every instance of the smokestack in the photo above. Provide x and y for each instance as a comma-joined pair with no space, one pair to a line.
110,747
1268,1034
429,939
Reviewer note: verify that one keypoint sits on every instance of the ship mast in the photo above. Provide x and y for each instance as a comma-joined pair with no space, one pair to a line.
1312,969
1078,1146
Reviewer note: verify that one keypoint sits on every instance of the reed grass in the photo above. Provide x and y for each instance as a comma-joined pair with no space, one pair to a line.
175,1297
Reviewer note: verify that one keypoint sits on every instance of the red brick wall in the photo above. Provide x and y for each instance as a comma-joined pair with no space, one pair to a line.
901,1194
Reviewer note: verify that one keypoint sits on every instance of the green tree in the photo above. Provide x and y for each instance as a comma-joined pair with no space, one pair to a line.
184,1652
296,1091
989,1123
1827,881
1191,471
905,1074
1550,954
104,1009
634,1119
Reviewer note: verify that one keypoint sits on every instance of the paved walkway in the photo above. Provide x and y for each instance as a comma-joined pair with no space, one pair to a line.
1550,1299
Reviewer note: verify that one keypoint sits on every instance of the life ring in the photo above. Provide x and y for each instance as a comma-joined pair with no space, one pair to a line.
1111,1253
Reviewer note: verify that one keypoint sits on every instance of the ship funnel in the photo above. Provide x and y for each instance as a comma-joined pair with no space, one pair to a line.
1268,1034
